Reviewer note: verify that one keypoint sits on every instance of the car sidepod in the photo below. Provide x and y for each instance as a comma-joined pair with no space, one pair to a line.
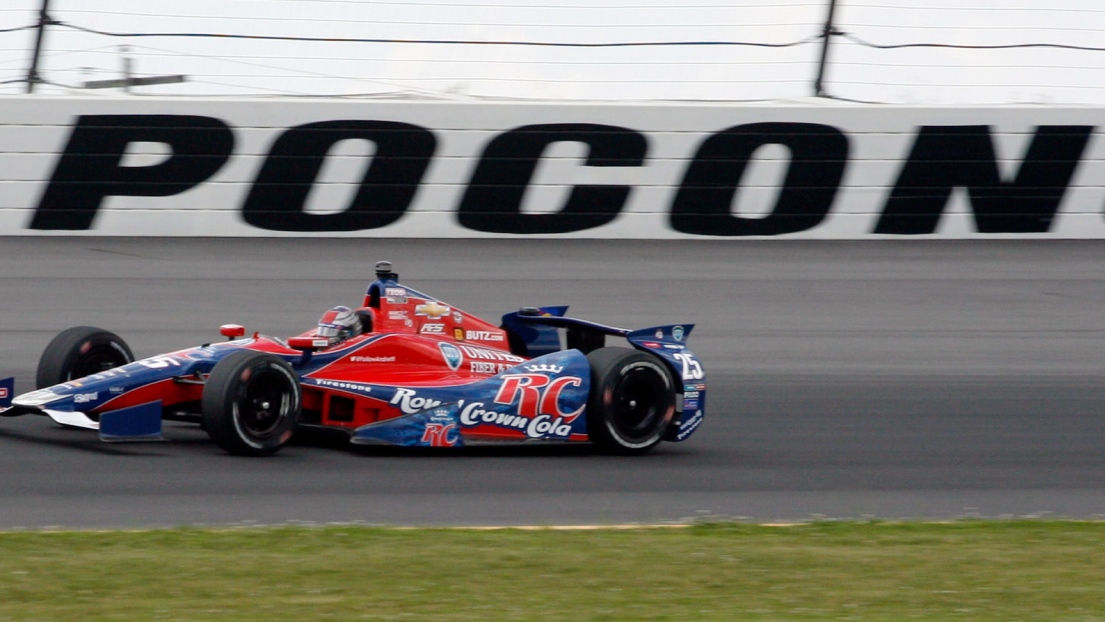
540,400
669,344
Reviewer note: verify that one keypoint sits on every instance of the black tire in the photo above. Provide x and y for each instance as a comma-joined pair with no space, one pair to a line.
78,352
632,400
251,403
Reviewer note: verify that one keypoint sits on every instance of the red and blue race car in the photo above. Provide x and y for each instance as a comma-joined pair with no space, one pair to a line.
403,369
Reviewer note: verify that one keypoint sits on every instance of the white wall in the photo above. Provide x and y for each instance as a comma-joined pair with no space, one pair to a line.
34,131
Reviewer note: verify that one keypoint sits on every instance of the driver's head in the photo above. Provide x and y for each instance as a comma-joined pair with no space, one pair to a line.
338,324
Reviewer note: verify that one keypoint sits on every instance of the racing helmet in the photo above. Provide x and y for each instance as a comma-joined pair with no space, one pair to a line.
338,324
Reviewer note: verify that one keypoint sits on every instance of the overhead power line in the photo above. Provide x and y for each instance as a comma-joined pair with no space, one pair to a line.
566,44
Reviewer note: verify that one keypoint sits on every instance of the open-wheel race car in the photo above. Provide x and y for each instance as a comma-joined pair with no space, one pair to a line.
403,369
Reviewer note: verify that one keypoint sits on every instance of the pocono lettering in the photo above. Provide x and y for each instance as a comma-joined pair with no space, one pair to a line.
942,158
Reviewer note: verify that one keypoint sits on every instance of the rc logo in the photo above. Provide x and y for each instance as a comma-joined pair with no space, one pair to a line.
677,333
439,435
451,354
537,394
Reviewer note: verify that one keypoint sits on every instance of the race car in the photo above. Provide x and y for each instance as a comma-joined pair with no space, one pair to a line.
404,369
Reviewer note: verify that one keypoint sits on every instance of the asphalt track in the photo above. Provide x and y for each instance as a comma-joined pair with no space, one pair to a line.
901,379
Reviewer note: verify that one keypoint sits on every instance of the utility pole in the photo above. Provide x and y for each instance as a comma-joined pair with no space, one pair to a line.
43,19
128,80
830,30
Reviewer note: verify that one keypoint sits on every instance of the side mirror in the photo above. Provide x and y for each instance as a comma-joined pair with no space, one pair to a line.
232,331
308,343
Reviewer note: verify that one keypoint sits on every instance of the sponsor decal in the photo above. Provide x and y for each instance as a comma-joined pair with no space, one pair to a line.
659,333
488,354
674,346
458,317
410,403
441,430
372,359
84,398
536,394
441,435
337,384
539,427
677,333
3,392
397,314
650,344
451,354
396,295
689,426
458,334
432,329
487,367
1023,197
433,310
117,390
483,335
534,406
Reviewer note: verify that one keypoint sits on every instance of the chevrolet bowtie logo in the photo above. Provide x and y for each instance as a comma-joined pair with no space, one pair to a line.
433,309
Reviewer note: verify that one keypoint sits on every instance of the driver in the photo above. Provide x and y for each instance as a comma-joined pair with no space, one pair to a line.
338,324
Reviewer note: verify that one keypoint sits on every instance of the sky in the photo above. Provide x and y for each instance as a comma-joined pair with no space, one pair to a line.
708,67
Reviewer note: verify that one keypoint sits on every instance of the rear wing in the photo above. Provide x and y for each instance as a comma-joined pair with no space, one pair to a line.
535,331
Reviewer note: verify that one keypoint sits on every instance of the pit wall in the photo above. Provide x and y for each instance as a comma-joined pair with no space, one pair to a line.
189,167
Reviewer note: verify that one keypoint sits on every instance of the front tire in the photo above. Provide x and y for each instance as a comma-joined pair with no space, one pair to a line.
78,352
632,400
251,403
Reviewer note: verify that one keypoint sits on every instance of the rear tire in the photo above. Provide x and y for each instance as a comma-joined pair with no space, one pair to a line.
251,403
78,352
632,400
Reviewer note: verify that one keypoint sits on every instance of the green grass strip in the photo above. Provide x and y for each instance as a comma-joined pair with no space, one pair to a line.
970,570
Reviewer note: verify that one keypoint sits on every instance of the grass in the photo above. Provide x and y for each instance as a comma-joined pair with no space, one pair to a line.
970,570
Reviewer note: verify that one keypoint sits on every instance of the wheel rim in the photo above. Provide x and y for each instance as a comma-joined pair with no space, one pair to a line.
262,404
97,360
640,406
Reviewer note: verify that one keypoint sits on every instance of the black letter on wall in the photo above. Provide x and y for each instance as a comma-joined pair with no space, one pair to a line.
703,205
278,196
89,169
493,200
944,158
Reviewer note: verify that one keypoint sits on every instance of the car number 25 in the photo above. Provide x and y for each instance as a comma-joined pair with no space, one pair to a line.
692,370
